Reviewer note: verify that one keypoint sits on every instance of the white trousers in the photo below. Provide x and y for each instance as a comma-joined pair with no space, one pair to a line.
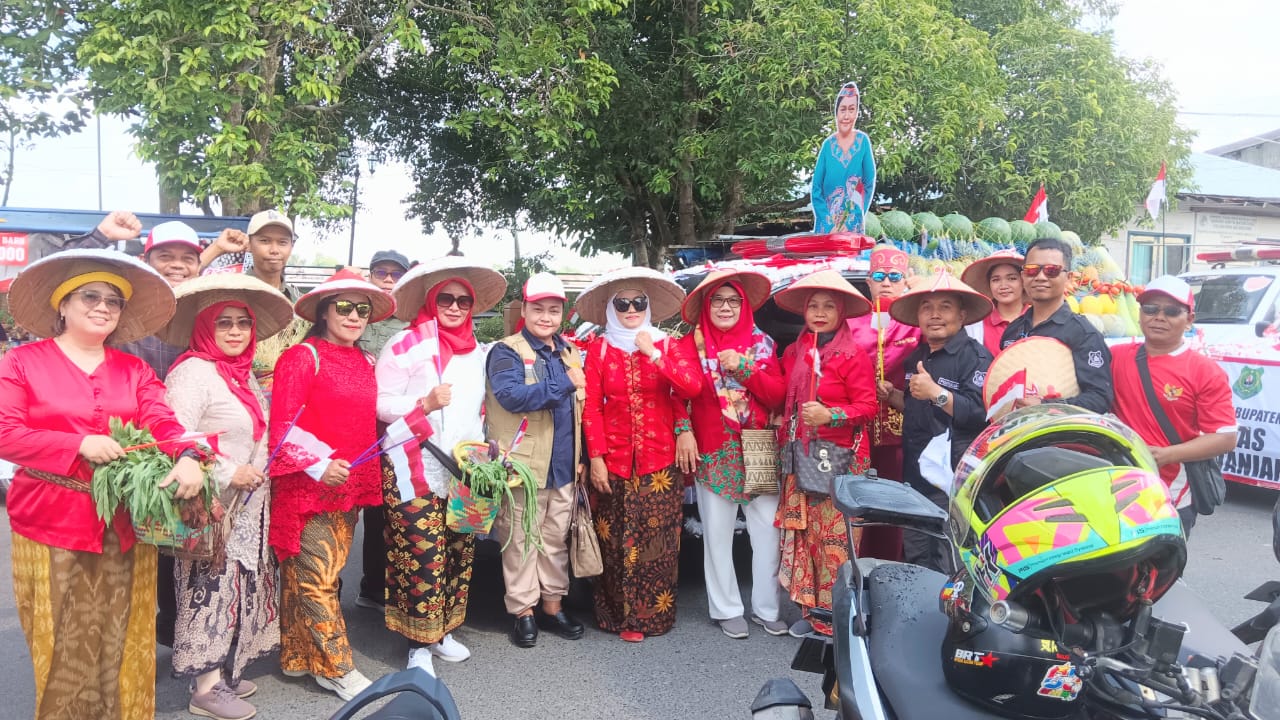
719,516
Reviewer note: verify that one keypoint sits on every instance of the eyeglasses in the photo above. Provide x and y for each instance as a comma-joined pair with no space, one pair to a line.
224,324
881,275
1170,311
1050,271
344,308
625,304
383,274
733,302
464,302
93,298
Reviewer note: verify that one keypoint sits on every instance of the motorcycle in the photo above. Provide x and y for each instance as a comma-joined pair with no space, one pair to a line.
418,696
1256,628
1169,658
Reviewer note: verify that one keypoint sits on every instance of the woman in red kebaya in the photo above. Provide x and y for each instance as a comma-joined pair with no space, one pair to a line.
633,423
831,395
327,384
86,593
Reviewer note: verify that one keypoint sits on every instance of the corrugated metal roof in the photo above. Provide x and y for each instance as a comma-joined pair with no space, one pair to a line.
1223,177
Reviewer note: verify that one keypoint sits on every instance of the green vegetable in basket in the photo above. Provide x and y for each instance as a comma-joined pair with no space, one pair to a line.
134,481
491,480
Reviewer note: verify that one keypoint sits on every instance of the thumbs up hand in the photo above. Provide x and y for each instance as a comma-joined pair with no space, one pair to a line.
922,385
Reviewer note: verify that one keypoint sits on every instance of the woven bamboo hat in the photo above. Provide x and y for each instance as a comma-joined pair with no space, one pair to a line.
1049,365
977,274
756,286
411,292
149,299
664,294
272,311
794,298
345,281
906,308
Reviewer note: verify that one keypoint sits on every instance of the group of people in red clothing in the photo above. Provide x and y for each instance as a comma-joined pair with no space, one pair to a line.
622,421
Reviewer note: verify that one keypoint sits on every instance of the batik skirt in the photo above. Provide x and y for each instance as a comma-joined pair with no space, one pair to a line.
639,529
814,546
90,623
313,633
428,566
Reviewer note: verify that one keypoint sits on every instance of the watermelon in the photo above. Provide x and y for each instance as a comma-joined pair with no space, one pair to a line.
994,230
1022,232
927,222
1046,229
1073,240
897,225
873,228
957,227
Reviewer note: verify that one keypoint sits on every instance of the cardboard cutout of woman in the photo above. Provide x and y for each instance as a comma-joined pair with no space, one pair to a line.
844,180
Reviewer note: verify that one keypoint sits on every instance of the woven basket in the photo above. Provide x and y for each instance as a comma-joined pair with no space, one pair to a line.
760,462
466,512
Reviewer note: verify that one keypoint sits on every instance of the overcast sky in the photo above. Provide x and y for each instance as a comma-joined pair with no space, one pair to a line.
1218,56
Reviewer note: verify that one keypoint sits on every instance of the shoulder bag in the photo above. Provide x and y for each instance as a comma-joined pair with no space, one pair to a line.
1204,477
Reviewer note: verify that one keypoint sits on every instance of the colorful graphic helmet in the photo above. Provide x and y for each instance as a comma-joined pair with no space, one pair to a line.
1062,511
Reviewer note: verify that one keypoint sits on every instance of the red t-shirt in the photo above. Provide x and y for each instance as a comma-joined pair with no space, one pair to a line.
1192,390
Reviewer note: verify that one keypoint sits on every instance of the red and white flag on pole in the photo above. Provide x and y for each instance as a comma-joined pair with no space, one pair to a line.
1012,389
1156,197
303,448
403,446
1039,210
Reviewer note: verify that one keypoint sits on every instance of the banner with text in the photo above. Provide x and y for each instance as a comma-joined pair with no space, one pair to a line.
1255,390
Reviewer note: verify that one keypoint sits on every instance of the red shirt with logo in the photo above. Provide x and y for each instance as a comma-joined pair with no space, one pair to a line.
1193,392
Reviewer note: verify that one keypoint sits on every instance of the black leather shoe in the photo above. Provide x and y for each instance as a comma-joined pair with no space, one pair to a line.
561,624
525,632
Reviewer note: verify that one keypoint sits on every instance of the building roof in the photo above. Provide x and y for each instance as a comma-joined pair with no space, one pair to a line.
1246,143
1221,177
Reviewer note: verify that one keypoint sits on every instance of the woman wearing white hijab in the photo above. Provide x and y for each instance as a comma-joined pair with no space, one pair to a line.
634,424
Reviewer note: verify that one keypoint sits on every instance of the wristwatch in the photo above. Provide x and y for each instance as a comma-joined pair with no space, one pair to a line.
943,398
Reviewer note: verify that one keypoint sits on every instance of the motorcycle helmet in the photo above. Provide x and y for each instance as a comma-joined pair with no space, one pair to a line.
1060,513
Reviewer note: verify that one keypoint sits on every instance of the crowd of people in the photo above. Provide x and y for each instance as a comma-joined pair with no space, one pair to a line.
300,386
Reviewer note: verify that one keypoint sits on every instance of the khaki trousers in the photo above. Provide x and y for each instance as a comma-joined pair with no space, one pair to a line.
536,574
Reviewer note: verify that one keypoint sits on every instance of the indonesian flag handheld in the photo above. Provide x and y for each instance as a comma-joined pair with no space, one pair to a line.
1039,210
403,447
303,447
1156,197
1012,389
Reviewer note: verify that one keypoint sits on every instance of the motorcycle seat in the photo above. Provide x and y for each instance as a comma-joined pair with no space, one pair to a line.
907,628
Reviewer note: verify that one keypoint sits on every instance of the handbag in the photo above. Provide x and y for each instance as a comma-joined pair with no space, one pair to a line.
815,467
760,462
584,546
1204,477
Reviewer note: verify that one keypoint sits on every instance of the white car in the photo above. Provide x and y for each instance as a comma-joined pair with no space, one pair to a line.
1235,305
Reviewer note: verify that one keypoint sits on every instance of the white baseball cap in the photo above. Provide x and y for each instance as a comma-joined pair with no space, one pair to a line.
1171,287
174,231
543,286
269,217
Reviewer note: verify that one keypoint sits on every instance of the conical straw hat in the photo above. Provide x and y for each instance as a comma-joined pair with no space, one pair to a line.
271,310
1050,367
411,292
793,299
664,294
906,308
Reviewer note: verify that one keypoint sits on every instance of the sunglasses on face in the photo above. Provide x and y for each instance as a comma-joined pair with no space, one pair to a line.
224,324
1050,271
625,304
464,302
93,298
344,308
881,276
383,274
1170,311
733,302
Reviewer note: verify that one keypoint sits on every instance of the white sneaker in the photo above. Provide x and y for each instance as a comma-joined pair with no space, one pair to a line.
421,658
449,650
347,686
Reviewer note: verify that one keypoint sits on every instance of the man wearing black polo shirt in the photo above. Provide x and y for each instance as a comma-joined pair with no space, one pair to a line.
944,378
1044,276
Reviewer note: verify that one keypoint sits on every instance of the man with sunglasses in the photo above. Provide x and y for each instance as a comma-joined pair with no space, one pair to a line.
1044,277
1192,390
385,270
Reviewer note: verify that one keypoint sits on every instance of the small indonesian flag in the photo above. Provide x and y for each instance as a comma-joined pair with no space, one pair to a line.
420,344
1156,197
1039,210
1012,389
306,449
403,446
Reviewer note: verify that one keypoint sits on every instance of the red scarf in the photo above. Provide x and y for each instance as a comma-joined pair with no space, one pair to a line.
453,341
801,383
739,337
234,370
743,337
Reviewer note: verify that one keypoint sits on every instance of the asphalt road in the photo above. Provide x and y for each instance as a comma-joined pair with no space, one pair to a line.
694,672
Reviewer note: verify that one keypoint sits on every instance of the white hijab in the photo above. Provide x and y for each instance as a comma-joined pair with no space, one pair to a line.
622,337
